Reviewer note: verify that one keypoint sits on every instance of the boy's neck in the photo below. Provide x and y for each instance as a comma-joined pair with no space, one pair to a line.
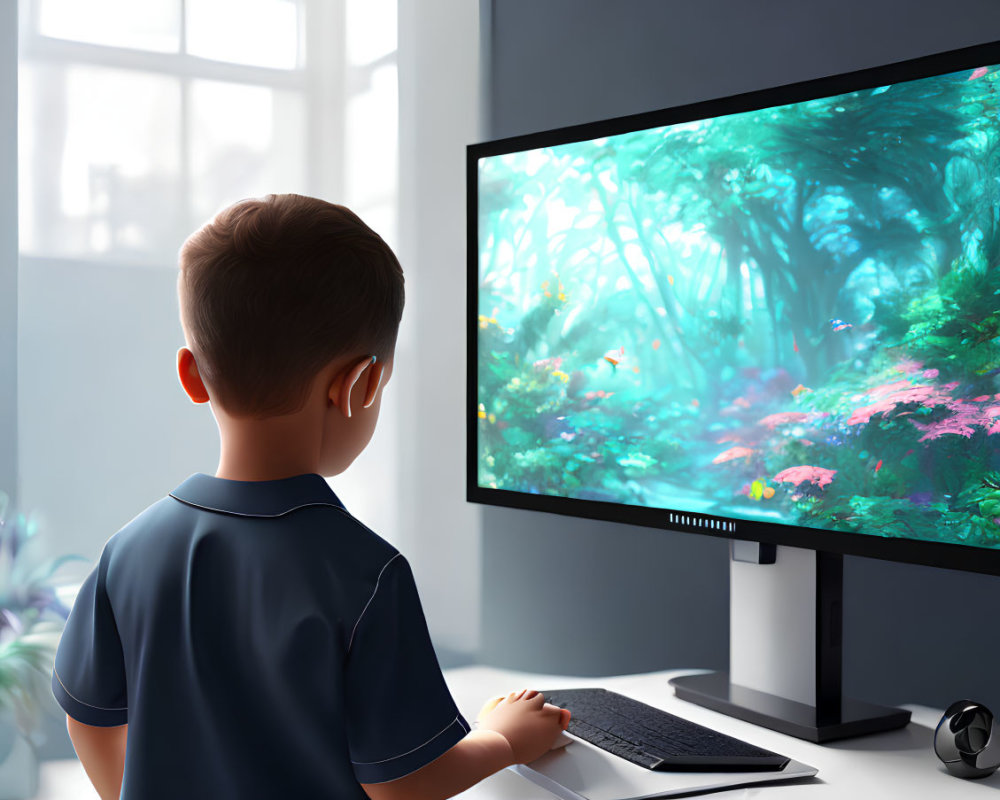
266,449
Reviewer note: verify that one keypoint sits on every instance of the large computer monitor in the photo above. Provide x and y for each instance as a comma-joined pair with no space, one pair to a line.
773,317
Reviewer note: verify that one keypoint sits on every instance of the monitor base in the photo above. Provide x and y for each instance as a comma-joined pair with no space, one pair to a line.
853,718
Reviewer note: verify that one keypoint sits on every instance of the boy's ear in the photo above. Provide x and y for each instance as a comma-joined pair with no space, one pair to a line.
343,385
374,381
187,371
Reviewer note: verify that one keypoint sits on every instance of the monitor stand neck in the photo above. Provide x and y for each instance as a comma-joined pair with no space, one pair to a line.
786,620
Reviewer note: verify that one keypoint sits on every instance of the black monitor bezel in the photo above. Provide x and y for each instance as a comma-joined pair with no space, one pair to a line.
938,554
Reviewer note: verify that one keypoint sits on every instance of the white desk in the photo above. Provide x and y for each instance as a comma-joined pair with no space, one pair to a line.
896,764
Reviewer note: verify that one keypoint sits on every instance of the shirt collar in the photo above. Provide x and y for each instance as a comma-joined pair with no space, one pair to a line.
256,498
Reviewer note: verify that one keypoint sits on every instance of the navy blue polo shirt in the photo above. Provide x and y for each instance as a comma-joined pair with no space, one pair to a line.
260,642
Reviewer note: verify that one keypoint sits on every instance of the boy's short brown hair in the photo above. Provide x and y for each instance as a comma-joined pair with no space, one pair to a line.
274,289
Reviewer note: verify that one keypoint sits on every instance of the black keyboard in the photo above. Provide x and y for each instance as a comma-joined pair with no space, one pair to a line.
655,739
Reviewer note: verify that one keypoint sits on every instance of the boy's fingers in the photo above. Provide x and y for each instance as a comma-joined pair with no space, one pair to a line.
564,717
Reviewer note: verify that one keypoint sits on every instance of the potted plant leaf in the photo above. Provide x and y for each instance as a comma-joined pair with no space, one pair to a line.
31,619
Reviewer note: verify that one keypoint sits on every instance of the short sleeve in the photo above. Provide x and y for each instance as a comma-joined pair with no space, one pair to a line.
400,713
89,676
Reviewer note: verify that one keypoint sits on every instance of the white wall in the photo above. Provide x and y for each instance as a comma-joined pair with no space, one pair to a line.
438,89
8,247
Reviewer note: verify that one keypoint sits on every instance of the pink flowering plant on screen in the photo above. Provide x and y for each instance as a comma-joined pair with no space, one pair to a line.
902,440
912,448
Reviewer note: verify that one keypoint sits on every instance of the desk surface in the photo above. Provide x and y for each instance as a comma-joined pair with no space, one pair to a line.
896,764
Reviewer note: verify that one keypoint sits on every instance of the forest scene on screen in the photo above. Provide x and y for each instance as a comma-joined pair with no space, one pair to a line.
789,315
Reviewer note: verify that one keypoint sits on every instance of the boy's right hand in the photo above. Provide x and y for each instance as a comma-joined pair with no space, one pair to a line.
529,724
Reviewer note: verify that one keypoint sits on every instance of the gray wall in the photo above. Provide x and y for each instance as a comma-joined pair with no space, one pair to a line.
592,598
8,247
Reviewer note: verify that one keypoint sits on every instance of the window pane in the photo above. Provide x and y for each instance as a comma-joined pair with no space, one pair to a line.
147,25
100,160
372,30
261,33
246,141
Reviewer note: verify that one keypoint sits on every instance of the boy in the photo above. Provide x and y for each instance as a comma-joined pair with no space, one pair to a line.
245,637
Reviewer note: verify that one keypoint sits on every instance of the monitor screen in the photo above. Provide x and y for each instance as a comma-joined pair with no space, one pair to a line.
773,316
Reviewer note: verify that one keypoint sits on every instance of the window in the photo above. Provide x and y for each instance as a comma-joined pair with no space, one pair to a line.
139,120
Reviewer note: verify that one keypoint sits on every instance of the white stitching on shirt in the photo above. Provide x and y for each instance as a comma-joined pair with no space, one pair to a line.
394,758
374,592
244,514
81,702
